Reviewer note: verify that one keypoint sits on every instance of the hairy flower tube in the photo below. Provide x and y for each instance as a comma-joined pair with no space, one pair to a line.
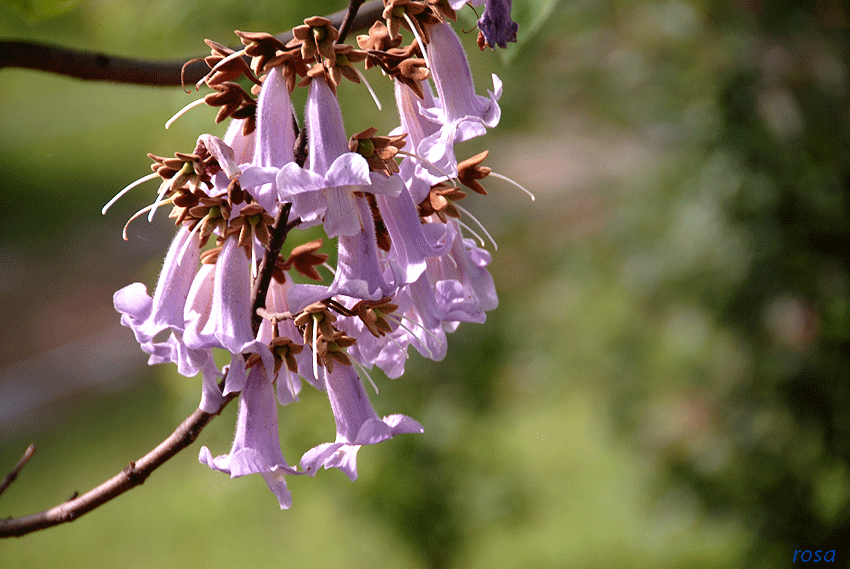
408,268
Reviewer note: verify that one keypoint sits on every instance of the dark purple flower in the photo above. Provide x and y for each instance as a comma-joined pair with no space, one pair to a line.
496,24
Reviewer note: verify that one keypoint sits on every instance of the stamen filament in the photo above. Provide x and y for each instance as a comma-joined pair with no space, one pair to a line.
427,162
369,87
400,347
253,257
126,189
472,231
415,31
413,334
291,382
163,188
183,111
135,216
505,178
465,211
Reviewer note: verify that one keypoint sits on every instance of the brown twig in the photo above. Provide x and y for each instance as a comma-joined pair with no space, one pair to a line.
133,475
264,279
348,20
94,66
14,472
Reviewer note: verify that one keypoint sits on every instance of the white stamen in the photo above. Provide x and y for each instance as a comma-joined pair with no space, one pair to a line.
479,224
362,370
452,259
291,382
427,162
369,87
505,178
316,355
135,216
126,189
419,39
399,346
472,231
163,188
328,267
253,257
184,110
413,334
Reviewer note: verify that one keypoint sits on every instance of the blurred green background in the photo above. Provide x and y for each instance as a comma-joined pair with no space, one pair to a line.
666,382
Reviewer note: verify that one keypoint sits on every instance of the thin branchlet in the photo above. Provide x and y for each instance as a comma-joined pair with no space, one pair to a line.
132,475
95,66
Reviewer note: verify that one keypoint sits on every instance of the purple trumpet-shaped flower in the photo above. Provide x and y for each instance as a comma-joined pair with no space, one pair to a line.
426,321
356,424
198,305
495,23
228,323
324,187
256,448
288,383
412,241
230,320
148,316
464,287
405,276
275,141
358,271
461,113
417,175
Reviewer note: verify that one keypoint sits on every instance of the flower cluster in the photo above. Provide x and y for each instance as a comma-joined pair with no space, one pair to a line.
405,273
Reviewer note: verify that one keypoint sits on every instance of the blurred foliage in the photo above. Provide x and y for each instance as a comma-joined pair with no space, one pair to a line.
665,383
40,9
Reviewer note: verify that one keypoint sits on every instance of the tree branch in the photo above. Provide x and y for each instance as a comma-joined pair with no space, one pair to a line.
264,279
95,66
14,472
348,20
133,475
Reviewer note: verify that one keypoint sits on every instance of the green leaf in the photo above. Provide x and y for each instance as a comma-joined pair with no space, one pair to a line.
40,10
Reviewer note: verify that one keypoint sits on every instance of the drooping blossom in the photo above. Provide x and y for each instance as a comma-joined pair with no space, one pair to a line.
256,448
357,424
461,113
497,27
405,274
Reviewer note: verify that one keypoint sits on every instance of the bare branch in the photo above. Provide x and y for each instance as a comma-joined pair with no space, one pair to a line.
348,20
94,66
133,475
14,473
